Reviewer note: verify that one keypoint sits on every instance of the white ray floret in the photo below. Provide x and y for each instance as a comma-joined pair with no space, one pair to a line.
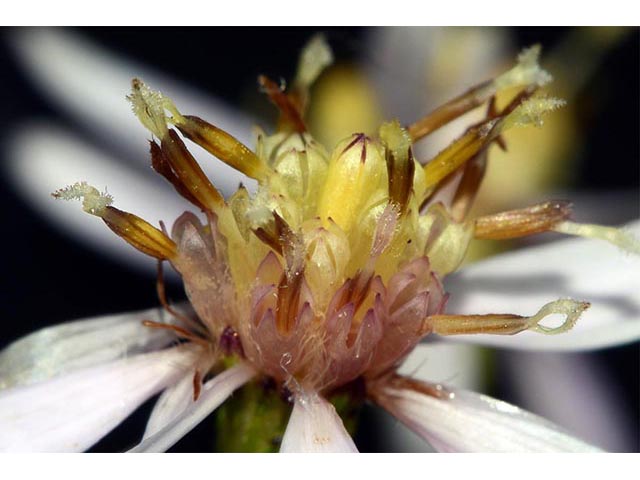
72,412
464,421
64,348
213,394
315,427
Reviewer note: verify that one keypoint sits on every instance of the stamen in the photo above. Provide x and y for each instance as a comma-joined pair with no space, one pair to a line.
290,286
400,163
473,174
527,73
469,186
172,159
162,165
189,174
521,111
290,114
508,324
224,146
133,229
456,154
539,218
619,237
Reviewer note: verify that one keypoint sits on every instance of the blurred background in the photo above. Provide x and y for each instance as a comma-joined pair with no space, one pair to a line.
588,152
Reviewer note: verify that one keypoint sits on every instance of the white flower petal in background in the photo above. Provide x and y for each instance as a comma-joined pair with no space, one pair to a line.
42,158
521,282
315,427
173,401
470,422
458,365
64,348
90,84
72,412
213,393
410,89
572,390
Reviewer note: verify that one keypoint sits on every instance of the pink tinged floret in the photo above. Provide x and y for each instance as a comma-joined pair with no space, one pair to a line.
412,295
205,274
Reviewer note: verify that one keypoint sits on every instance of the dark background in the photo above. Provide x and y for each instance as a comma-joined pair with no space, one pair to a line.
41,266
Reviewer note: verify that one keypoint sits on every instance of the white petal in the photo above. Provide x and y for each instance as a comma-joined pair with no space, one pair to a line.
521,282
444,63
91,84
568,389
173,401
72,412
458,365
42,158
470,422
64,348
315,427
213,393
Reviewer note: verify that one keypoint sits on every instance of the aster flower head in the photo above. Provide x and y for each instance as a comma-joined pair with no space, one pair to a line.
325,278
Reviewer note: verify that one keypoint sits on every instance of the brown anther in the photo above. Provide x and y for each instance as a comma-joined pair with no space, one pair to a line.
455,155
492,112
526,221
400,169
161,164
290,286
526,75
139,233
290,114
188,173
278,235
356,291
472,98
476,139
469,186
269,237
287,306
197,385
223,145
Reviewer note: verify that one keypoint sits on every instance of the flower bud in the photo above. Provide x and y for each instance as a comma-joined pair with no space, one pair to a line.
356,181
